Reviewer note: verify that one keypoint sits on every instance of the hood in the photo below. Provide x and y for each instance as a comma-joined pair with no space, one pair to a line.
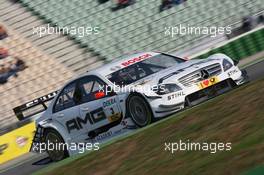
171,74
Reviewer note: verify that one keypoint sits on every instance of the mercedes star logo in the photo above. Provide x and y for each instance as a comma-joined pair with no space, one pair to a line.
204,74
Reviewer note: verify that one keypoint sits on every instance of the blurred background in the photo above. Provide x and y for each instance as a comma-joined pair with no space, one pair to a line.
32,65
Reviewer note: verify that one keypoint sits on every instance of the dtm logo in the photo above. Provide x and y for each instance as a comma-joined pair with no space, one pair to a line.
3,147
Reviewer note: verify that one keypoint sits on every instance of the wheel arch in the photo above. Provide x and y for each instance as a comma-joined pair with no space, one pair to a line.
66,151
135,94
141,95
58,128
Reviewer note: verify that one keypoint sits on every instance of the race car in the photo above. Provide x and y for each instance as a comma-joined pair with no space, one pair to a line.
131,92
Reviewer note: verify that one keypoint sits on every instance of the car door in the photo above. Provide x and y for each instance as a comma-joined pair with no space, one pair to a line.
66,112
98,107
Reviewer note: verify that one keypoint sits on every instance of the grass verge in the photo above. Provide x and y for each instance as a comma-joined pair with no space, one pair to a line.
236,117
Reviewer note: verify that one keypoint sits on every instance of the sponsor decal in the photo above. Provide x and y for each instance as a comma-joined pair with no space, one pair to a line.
104,135
21,141
109,102
99,95
3,147
41,99
114,117
232,72
176,95
208,82
136,59
16,143
79,123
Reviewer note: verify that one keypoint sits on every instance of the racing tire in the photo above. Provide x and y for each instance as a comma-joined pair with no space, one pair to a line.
139,111
52,137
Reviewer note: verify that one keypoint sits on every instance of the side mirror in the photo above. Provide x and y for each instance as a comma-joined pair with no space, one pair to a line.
236,62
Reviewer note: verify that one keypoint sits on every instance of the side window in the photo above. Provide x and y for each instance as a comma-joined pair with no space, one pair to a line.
97,86
66,98
87,86
90,86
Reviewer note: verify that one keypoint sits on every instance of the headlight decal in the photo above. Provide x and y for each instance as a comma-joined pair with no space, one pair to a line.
227,65
167,88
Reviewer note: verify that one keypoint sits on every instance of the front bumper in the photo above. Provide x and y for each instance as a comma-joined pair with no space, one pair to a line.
210,92
196,94
244,78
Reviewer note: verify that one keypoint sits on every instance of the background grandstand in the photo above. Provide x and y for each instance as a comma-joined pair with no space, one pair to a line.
43,74
54,58
140,26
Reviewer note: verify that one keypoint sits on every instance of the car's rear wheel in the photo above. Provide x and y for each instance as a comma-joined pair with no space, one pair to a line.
55,145
139,111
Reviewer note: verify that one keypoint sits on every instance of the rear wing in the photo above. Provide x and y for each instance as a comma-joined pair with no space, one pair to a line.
33,107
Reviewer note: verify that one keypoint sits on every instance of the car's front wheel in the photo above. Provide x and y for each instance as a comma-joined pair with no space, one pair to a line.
55,145
139,110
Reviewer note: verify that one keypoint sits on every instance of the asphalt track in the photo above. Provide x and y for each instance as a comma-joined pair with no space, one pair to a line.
37,162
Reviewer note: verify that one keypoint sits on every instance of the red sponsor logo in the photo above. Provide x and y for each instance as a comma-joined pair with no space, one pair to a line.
21,141
137,59
99,95
208,82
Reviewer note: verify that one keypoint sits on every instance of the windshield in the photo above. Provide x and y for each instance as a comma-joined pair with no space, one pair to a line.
143,69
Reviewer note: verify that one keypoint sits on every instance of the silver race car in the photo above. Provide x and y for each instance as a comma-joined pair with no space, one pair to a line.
130,93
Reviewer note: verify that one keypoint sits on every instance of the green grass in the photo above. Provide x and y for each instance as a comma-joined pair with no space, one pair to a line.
255,171
236,117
